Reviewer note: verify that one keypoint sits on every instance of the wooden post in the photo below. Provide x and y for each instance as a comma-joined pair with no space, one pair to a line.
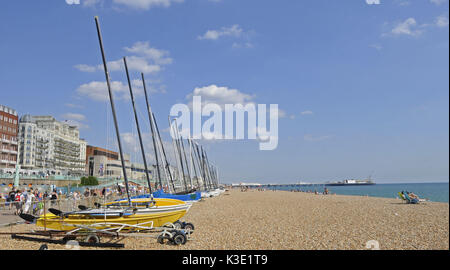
45,212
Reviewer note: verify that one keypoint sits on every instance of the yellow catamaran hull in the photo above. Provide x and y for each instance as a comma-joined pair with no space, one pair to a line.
162,212
72,222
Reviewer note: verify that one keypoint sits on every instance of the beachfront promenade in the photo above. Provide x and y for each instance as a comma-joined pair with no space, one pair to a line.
266,220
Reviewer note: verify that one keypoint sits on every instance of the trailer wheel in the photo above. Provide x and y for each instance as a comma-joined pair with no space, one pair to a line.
162,238
68,238
179,238
43,247
178,225
92,239
189,227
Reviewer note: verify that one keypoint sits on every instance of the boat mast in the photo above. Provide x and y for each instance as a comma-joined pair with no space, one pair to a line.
179,142
174,145
113,108
202,166
207,168
149,110
193,163
186,161
137,126
164,152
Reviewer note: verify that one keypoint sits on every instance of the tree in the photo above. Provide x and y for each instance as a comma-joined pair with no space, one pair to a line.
89,181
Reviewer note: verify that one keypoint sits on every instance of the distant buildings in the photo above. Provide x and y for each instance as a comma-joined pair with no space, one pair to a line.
43,146
50,145
105,163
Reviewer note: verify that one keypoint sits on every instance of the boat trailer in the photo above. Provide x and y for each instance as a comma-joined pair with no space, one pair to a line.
177,233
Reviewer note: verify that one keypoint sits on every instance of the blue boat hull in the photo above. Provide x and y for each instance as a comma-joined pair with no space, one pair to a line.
196,196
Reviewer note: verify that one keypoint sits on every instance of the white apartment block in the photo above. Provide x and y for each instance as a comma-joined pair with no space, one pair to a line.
46,144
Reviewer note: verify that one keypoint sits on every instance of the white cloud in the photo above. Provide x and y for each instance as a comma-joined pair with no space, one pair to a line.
74,116
307,113
233,31
98,91
438,2
160,57
248,45
373,2
442,21
220,95
144,59
378,47
408,27
76,123
146,4
86,68
75,119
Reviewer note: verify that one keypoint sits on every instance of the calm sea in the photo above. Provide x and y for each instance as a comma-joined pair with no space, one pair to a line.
437,192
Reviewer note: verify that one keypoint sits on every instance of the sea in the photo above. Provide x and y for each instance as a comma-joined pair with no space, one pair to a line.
436,192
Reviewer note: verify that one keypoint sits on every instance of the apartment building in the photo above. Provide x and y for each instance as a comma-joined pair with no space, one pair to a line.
47,144
8,137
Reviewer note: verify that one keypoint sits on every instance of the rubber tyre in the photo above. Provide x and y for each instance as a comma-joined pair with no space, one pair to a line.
178,224
92,239
179,238
162,239
68,238
189,226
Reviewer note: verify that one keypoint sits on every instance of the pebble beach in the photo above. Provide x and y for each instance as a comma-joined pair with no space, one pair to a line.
282,220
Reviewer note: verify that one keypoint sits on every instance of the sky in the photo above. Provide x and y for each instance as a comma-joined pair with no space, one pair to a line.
361,85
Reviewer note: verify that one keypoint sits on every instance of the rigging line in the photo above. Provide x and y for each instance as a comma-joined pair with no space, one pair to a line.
179,142
164,153
172,134
159,146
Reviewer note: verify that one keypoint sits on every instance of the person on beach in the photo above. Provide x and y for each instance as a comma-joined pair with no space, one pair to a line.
54,197
29,201
18,202
12,198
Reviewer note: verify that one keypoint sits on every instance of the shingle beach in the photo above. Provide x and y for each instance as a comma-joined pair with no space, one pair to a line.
282,220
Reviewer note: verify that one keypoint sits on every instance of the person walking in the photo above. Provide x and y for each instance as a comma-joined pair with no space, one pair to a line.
54,197
28,201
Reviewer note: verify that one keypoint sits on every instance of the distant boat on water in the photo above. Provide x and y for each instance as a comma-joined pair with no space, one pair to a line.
351,182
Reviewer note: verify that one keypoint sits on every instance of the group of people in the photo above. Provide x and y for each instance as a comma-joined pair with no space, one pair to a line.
31,201
325,191
27,201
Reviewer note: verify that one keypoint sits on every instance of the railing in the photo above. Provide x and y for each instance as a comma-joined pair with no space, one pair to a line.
63,203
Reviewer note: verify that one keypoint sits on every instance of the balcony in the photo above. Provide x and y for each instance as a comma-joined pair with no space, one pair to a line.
8,141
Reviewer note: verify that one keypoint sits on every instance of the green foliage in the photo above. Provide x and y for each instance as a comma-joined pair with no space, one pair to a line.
89,181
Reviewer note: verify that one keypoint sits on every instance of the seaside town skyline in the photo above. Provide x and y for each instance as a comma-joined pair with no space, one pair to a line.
343,112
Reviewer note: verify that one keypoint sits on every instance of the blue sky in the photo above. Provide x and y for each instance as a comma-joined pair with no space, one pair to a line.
363,88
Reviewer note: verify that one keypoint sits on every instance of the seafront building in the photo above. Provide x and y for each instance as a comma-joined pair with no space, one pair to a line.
103,163
50,147
8,137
